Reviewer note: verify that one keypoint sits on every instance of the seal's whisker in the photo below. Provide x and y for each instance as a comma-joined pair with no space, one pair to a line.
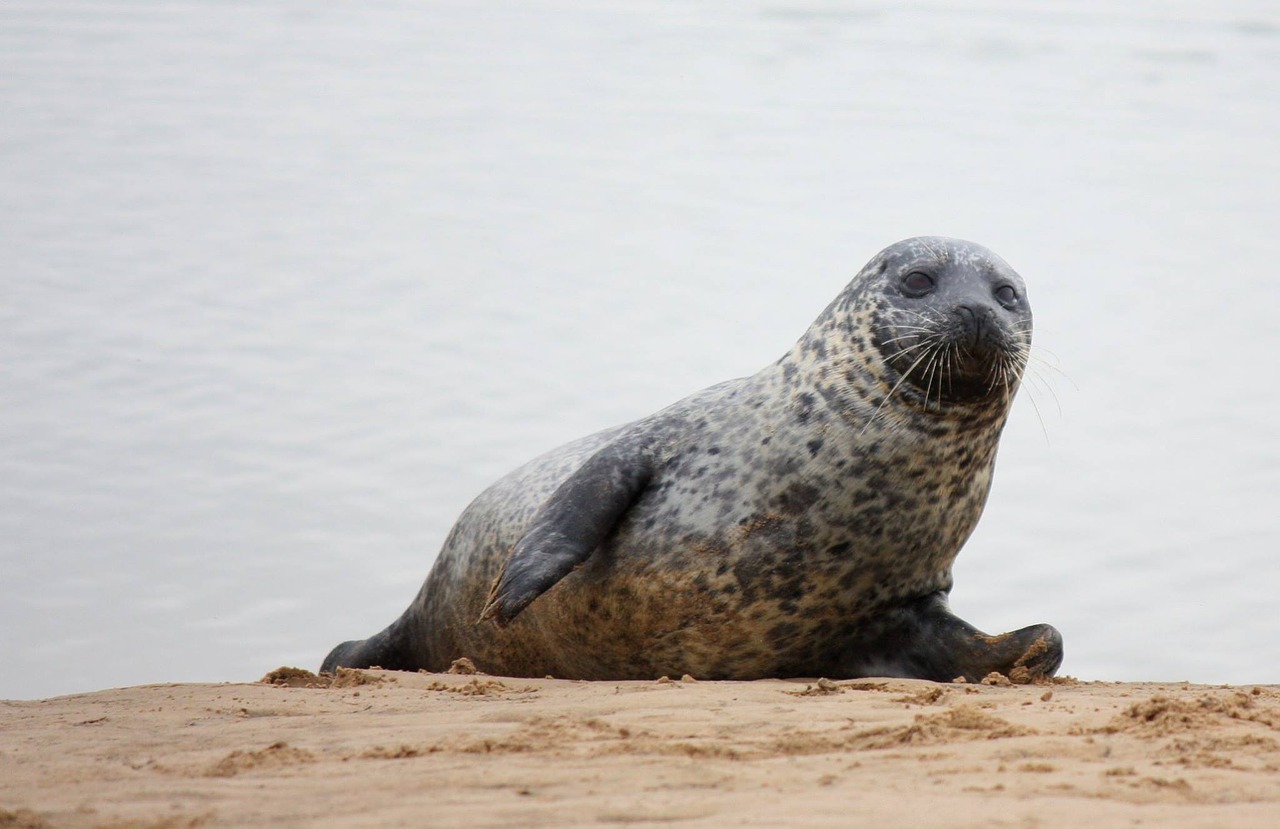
1032,356
996,374
910,348
1044,350
929,369
1038,381
924,329
901,380
1032,362
936,367
903,337
1012,367
934,320
1040,417
897,326
946,373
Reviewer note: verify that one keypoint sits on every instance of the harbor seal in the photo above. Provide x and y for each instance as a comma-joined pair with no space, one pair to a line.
798,522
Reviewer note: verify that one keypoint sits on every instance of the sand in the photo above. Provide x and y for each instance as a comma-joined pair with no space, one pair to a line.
441,750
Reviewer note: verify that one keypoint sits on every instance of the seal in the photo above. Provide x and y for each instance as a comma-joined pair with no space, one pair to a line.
802,521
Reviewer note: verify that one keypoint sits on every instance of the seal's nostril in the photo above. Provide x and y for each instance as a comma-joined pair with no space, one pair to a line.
973,323
979,329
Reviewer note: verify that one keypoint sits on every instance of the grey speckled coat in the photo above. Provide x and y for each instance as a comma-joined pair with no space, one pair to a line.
798,522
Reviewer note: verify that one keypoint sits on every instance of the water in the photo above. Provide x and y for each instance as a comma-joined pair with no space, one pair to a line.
286,285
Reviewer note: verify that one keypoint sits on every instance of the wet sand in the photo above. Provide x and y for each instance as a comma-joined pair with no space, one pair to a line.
381,748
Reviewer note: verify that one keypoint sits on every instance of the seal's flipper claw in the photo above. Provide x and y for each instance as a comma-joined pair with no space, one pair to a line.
569,526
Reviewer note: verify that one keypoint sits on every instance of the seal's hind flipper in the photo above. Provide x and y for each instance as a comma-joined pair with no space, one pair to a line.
573,521
391,649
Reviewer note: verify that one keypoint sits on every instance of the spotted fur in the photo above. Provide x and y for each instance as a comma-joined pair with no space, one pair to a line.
802,521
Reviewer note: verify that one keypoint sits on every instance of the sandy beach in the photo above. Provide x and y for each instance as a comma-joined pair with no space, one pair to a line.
377,748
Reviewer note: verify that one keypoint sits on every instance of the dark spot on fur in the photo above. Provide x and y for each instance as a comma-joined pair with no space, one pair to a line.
790,590
864,496
804,407
748,572
815,446
797,498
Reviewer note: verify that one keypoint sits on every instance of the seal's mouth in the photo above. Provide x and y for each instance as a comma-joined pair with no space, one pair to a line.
967,356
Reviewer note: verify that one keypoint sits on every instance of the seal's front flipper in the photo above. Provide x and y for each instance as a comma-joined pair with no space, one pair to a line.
924,640
572,523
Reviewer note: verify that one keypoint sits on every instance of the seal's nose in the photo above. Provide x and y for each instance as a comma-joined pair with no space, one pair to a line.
977,325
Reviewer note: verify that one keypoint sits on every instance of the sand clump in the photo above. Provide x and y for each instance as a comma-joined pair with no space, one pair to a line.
1163,714
22,819
462,665
277,755
287,677
480,687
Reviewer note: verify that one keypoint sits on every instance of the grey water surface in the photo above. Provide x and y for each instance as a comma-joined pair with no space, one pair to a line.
283,285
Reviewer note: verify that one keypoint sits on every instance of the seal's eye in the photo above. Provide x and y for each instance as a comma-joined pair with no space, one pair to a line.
917,283
1006,294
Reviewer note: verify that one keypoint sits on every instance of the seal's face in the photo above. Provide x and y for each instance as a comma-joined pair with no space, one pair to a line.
952,321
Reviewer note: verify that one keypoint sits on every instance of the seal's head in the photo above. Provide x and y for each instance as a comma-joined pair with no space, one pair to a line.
950,320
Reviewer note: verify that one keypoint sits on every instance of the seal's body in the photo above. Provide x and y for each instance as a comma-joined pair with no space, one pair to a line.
798,522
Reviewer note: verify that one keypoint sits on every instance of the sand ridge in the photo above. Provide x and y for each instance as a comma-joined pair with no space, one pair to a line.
380,748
